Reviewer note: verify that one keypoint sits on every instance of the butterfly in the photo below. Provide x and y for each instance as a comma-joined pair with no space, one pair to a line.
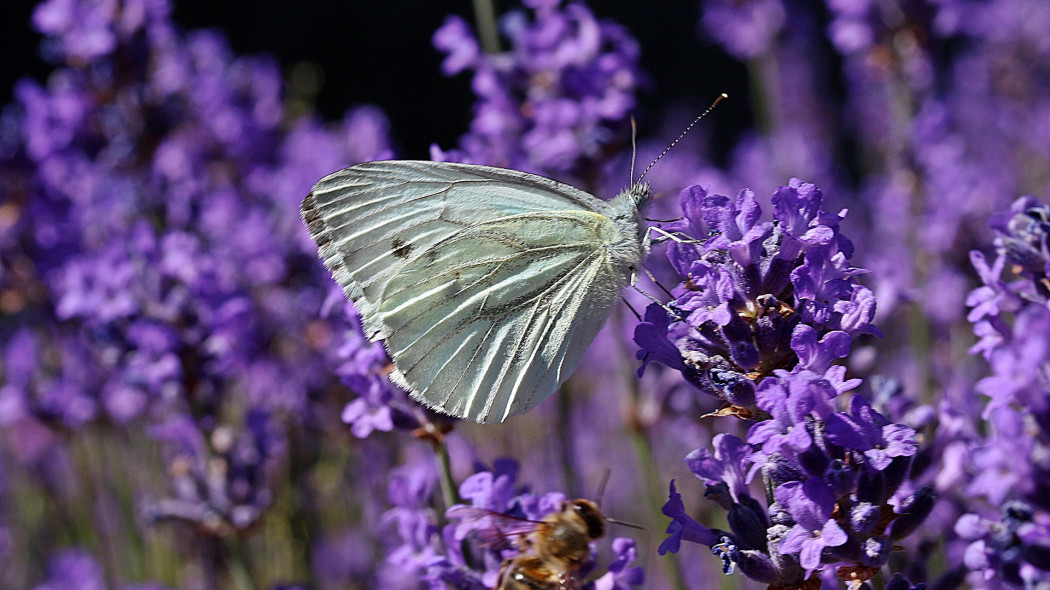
487,284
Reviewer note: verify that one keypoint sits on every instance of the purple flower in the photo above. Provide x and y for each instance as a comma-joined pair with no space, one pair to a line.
820,465
755,292
371,411
457,40
411,537
86,29
998,474
867,431
809,505
1025,240
1013,547
492,490
221,486
745,29
789,399
73,569
683,527
622,575
650,335
363,368
726,465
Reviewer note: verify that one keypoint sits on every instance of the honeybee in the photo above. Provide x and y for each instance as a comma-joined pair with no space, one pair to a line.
552,553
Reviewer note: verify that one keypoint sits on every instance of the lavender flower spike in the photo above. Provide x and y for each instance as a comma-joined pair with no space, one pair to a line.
834,481
757,297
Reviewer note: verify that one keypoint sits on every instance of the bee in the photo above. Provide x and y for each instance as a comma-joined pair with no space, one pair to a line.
552,553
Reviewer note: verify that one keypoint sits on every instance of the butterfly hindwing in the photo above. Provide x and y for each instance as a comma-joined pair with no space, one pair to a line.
488,322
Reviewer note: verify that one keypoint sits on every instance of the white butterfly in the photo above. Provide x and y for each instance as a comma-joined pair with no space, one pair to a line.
487,284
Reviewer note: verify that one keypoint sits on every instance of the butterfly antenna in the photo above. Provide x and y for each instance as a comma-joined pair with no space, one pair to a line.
720,98
634,144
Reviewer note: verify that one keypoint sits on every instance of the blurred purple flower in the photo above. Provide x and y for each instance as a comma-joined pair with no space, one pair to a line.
1013,549
622,575
130,228
221,484
746,29
556,100
73,569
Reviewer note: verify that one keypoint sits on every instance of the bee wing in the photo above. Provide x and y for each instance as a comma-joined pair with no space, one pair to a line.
492,529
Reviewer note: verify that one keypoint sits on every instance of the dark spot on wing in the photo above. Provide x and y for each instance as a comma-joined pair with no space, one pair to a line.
401,248
315,221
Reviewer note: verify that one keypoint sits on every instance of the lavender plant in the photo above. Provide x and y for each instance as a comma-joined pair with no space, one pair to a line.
1003,538
186,401
556,101
131,306
762,312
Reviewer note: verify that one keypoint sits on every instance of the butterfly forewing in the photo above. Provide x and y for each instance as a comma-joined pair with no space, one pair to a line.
487,284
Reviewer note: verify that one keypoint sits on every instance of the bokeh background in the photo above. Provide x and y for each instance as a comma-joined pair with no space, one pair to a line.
185,402
381,53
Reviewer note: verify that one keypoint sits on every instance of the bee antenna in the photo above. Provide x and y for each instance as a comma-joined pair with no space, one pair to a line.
622,523
601,486
720,98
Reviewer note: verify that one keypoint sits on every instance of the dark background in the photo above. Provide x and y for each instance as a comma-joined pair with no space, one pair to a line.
380,52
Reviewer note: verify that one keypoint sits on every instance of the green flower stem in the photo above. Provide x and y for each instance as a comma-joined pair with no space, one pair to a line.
763,76
637,427
561,429
237,563
485,19
656,497
448,485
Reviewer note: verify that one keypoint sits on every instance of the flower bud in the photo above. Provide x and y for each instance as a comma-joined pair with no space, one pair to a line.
747,526
840,477
876,551
914,509
863,517
757,566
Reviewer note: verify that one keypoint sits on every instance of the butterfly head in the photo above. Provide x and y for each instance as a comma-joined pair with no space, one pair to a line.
632,246
639,193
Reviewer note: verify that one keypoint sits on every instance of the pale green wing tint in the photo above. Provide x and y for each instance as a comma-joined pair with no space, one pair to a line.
491,320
